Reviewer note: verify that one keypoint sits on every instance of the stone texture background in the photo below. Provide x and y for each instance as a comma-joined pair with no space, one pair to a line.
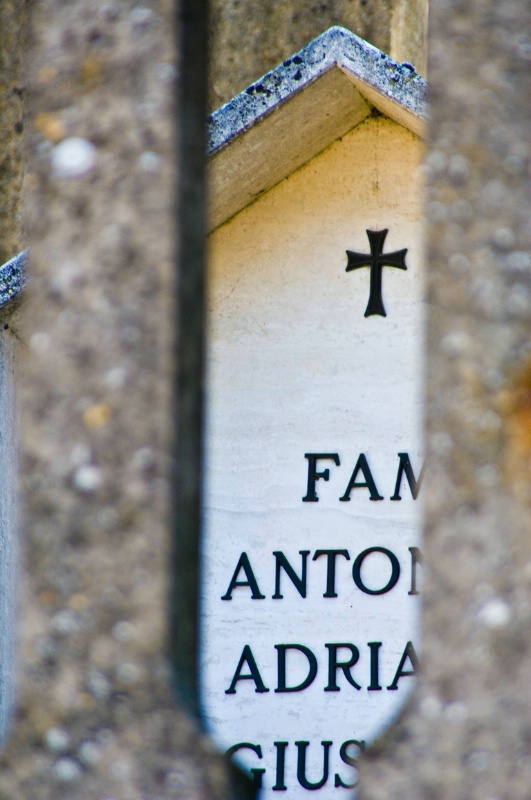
12,49
250,37
95,718
468,734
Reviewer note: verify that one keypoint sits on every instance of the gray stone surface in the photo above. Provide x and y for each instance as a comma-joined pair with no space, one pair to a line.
96,714
467,736
12,91
249,38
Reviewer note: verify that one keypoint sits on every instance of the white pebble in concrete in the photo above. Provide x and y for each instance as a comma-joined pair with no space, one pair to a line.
504,238
57,740
149,162
66,769
495,614
88,478
80,454
73,158
89,753
123,631
456,712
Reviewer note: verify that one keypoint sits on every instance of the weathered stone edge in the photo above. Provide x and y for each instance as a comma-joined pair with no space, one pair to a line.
335,47
13,277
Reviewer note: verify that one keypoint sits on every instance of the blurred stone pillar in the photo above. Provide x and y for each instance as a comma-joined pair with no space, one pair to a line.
468,734
96,714
409,31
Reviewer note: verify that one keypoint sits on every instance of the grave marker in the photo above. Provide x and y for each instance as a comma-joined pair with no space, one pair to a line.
311,561
12,281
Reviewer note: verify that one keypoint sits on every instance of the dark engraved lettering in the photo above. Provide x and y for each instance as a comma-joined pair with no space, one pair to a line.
283,563
345,666
352,761
280,785
358,563
416,558
331,556
313,475
301,765
255,772
245,565
409,653
254,673
374,685
282,650
361,464
404,467
256,748
377,260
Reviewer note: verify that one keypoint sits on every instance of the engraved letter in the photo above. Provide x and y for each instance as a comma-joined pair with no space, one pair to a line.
280,786
301,765
254,674
352,761
369,483
346,666
395,570
331,568
312,667
409,652
416,558
251,582
313,475
283,563
256,773
414,484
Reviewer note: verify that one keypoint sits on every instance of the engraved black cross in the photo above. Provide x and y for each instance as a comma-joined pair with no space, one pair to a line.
376,261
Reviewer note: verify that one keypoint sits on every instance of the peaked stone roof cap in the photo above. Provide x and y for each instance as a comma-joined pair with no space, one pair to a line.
13,278
282,120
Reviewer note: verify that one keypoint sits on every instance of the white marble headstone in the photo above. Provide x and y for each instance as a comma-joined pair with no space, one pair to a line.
311,557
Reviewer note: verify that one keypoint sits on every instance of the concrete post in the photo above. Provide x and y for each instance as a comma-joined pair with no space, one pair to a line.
467,735
97,715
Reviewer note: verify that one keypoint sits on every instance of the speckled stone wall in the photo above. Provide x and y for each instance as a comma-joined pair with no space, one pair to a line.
249,38
12,48
96,716
468,735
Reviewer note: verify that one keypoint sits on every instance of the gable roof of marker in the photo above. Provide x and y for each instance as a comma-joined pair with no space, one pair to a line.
295,111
